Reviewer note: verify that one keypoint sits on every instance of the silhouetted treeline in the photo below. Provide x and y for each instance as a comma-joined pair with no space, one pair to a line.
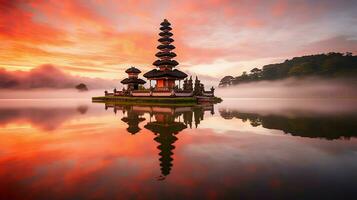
323,65
327,127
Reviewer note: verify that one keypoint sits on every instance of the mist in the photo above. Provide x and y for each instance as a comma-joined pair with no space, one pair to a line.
293,88
292,97
48,76
49,94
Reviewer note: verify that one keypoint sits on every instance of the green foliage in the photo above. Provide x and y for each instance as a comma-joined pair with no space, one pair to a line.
326,65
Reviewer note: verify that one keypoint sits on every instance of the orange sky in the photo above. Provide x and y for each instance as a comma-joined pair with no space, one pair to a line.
101,38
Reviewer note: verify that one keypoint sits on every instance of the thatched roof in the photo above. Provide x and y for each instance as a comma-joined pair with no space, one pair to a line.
160,128
165,28
172,63
168,34
166,46
165,23
133,80
133,70
162,54
168,73
165,40
133,122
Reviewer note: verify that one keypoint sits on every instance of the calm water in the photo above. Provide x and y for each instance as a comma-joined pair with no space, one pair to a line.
248,148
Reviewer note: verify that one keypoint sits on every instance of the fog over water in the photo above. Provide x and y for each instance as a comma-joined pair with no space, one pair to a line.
293,88
287,97
49,94
60,140
48,76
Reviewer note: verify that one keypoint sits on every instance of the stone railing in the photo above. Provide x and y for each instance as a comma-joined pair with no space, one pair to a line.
208,93
118,93
141,93
114,93
151,93
159,89
108,94
184,93
160,93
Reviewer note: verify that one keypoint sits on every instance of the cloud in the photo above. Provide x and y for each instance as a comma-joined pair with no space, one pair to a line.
107,35
47,76
340,43
16,23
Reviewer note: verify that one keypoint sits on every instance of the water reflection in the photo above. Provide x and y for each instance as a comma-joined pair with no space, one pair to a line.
165,122
43,118
323,126
236,151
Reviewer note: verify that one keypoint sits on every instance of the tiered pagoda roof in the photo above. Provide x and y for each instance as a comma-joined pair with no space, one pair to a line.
169,73
165,56
165,135
133,70
134,79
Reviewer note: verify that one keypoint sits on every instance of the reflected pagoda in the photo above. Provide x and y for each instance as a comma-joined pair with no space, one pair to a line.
166,122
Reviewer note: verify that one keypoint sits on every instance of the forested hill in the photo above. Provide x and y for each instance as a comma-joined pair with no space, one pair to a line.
324,65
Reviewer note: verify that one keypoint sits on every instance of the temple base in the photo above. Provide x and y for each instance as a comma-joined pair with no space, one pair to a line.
157,100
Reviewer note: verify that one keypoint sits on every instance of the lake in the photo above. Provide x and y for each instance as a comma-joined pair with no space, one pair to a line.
240,148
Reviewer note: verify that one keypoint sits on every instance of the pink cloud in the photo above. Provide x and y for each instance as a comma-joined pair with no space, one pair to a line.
106,34
47,76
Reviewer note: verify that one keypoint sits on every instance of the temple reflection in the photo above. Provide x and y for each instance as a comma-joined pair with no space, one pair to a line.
326,126
165,122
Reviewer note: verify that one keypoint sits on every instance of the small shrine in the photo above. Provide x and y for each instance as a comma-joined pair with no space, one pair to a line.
133,81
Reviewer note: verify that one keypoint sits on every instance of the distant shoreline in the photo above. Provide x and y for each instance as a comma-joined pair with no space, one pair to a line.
327,66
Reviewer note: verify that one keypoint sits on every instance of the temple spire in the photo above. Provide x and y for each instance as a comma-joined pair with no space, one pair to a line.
165,76
165,55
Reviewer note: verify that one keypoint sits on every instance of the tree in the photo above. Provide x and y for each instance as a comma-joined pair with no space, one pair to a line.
327,65
255,73
348,53
81,87
226,81
301,70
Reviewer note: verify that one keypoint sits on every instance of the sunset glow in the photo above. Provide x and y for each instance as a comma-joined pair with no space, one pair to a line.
103,38
183,99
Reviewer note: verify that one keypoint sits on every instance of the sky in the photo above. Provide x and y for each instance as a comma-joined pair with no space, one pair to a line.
213,38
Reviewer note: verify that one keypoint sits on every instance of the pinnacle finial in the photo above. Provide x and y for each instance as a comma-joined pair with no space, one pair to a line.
165,23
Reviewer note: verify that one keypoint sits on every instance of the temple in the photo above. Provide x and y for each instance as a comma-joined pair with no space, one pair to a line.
165,76
164,80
